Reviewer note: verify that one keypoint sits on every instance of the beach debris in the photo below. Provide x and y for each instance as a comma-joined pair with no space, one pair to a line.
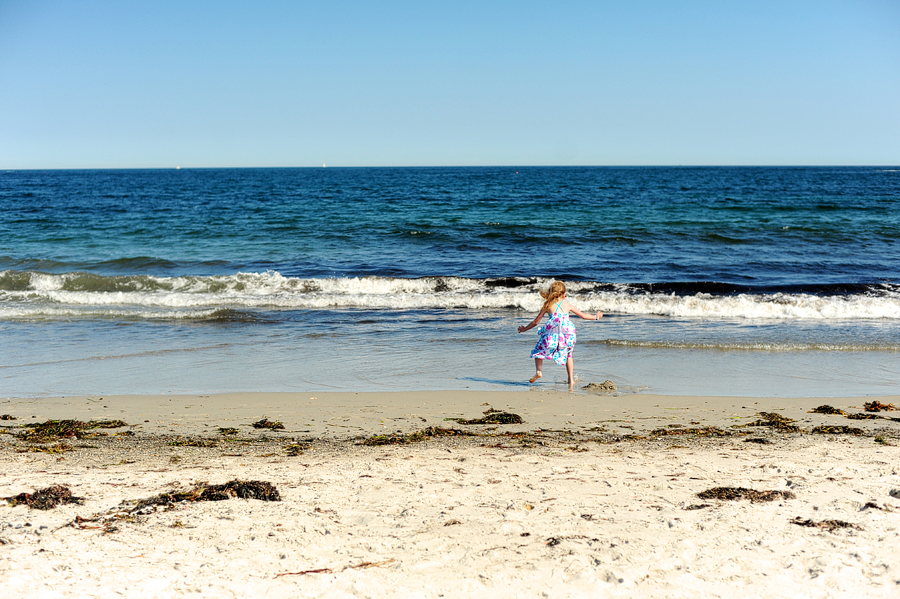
776,421
130,509
826,409
734,493
758,441
876,406
53,430
491,416
698,506
8,417
295,449
606,386
266,423
193,442
706,431
882,441
838,430
523,439
829,525
244,489
228,431
401,439
45,499
60,447
452,522
895,493
871,505
864,416
362,566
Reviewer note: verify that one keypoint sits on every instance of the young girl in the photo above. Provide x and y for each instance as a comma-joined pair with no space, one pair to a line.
557,336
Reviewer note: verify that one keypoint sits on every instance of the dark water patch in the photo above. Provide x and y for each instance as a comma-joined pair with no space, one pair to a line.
509,282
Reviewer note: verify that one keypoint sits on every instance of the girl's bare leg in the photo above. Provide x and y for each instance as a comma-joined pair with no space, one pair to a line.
538,363
570,368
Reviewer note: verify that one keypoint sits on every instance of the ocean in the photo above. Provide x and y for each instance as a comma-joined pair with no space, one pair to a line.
714,281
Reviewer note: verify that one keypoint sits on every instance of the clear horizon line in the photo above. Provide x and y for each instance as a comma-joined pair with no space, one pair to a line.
510,166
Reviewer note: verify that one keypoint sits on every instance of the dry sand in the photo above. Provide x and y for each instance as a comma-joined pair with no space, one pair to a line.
587,497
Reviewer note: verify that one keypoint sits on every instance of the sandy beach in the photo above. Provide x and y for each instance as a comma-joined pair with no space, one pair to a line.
381,495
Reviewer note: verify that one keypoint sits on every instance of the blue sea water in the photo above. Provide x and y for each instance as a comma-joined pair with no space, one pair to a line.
732,281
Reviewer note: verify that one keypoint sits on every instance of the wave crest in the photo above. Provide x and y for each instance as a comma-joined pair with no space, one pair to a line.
22,292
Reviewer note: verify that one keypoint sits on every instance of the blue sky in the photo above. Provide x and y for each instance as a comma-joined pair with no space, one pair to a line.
109,84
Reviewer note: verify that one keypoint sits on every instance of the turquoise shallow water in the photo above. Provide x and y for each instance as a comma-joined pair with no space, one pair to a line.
737,281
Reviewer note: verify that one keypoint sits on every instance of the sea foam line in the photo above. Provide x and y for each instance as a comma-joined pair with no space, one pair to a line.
765,346
195,297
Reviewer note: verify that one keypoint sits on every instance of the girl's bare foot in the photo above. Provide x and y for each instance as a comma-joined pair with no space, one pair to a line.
536,376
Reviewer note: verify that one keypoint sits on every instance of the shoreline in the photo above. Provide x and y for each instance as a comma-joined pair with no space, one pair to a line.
589,495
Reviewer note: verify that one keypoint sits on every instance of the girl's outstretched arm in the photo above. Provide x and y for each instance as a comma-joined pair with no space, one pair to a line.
532,324
581,314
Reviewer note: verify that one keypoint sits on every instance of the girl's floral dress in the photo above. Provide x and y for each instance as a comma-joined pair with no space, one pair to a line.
557,338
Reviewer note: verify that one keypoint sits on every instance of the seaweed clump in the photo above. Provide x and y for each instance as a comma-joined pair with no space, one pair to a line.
228,431
838,430
250,489
61,447
194,443
269,424
829,525
776,421
826,409
864,416
734,493
492,416
7,417
296,449
877,406
706,431
400,439
53,430
45,499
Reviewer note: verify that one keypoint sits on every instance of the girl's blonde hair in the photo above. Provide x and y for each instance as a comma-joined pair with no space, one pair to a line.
557,290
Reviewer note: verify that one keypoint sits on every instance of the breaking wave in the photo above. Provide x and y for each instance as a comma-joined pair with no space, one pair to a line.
26,294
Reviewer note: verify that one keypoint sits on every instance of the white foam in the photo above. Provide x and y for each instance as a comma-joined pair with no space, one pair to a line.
271,290
774,306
